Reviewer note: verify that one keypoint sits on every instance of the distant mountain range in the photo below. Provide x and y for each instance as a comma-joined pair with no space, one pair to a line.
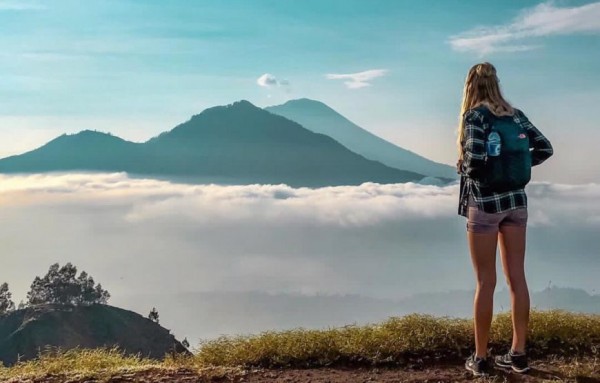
211,313
320,118
234,144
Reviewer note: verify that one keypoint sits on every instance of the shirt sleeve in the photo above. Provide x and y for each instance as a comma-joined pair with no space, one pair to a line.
474,154
542,148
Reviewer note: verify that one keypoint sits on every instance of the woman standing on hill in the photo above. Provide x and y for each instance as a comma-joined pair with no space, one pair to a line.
494,171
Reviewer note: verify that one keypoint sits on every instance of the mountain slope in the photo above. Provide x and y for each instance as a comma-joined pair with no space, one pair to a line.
86,150
237,143
320,118
24,332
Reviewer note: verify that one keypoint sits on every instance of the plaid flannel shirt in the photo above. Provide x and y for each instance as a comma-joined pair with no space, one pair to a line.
475,157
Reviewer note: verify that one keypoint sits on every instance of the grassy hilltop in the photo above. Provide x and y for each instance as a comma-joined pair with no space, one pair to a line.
564,345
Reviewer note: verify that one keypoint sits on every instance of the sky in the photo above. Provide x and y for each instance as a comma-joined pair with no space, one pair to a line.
396,68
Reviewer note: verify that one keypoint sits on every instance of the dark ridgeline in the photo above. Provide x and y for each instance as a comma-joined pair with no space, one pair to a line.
237,144
24,332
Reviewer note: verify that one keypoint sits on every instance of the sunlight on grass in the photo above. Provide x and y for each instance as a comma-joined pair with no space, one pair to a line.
77,362
398,340
395,340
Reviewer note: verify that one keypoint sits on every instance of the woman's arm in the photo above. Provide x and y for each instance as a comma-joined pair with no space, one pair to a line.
542,148
475,156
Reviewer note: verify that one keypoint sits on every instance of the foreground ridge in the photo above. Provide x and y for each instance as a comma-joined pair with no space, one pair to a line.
544,370
563,346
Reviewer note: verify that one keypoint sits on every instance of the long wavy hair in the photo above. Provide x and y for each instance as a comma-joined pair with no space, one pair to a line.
481,87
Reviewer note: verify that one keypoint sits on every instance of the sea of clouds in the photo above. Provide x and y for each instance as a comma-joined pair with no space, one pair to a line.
139,235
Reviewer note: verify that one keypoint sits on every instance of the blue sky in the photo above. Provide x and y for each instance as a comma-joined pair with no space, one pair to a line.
136,68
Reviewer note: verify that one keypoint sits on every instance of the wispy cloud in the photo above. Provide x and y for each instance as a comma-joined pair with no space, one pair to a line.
8,5
358,80
545,19
268,80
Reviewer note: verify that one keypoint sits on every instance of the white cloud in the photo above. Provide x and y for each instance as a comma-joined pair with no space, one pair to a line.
266,80
360,79
545,19
368,204
343,206
272,83
135,235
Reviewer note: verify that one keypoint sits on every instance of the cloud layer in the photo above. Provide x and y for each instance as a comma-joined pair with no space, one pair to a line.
545,19
358,80
142,235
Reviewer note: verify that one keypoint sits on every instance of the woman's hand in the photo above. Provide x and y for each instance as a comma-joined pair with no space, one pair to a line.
459,166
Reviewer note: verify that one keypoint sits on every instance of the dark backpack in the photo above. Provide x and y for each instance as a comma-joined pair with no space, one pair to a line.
512,168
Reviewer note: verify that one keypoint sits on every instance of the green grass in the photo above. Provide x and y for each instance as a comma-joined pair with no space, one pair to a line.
396,341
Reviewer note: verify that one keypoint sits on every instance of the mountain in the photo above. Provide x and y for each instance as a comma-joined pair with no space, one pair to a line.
320,118
237,143
86,150
24,332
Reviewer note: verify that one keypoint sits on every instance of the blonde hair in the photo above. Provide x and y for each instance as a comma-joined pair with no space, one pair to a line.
481,87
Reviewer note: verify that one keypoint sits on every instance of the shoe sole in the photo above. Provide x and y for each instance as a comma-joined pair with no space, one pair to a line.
475,373
515,369
520,370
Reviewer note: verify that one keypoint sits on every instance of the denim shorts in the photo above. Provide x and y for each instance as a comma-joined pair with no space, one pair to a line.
479,221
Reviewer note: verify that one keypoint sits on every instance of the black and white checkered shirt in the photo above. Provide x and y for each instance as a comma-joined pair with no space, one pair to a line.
475,157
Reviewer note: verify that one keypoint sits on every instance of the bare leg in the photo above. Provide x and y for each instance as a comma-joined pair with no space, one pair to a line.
483,255
512,247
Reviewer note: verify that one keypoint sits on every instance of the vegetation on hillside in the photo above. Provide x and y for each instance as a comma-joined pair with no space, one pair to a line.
409,340
401,339
60,285
153,315
6,303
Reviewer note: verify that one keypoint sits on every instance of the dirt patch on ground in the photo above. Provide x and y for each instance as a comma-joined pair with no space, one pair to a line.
542,372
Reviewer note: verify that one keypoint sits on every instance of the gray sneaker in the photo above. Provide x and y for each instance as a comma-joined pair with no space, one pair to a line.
477,366
514,361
